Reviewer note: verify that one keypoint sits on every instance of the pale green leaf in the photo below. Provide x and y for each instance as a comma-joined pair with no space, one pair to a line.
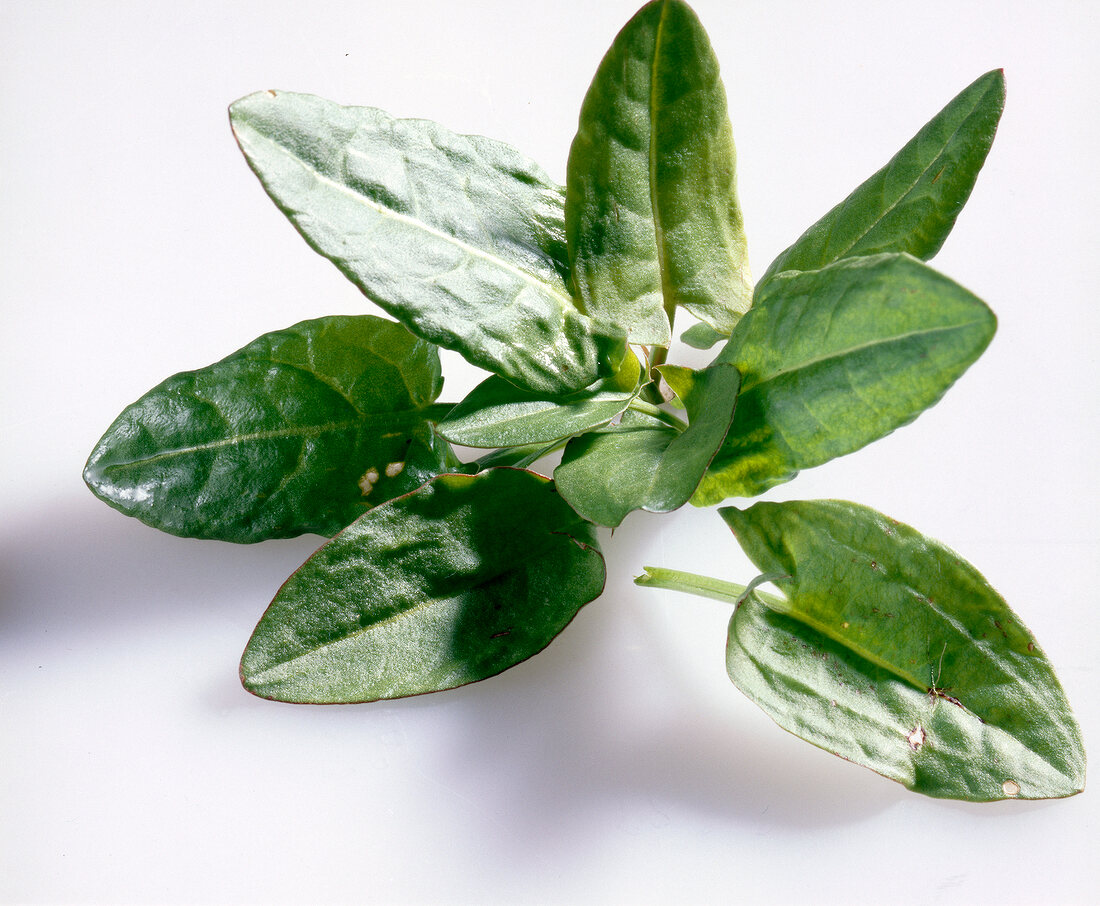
459,237
652,216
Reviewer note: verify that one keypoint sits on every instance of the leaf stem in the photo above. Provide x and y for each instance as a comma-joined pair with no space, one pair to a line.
655,358
692,584
640,405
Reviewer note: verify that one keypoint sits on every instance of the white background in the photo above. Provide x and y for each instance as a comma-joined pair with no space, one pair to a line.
619,766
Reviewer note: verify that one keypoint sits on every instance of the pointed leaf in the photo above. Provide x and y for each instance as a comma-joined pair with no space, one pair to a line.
453,583
836,358
459,237
651,211
496,413
892,651
303,430
702,336
910,205
645,463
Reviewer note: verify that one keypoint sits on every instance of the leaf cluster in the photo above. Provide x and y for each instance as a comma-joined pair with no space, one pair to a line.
885,647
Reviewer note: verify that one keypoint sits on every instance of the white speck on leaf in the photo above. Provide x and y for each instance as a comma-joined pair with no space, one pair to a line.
915,737
1011,788
394,469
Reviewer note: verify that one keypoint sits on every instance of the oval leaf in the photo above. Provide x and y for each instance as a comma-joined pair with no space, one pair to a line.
910,205
651,210
893,652
644,463
459,237
453,583
834,359
303,430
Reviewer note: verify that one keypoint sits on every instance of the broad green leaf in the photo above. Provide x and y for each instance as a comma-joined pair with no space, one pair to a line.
644,463
496,413
450,584
834,359
302,430
910,205
460,237
893,652
703,336
651,210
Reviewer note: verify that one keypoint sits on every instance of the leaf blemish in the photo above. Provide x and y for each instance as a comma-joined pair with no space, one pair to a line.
1011,788
915,737
394,469
367,482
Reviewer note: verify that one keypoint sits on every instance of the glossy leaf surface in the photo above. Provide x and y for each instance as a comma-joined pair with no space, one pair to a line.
460,237
302,430
644,463
893,652
910,205
496,413
651,211
453,583
834,359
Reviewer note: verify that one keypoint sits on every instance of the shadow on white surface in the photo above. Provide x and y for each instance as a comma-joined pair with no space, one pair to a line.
575,738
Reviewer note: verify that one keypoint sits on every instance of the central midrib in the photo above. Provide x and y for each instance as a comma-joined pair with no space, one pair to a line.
300,431
386,212
841,353
658,228
281,666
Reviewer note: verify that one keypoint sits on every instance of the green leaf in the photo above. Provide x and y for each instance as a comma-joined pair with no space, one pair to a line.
453,583
651,210
702,336
459,237
302,430
893,652
834,359
499,414
910,205
644,463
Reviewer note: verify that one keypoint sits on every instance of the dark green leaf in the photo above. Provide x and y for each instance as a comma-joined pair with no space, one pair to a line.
499,414
834,359
910,205
645,463
651,211
893,652
302,430
451,584
460,237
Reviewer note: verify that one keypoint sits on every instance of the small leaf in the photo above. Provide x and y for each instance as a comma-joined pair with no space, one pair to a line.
910,205
303,430
456,582
702,336
893,652
499,414
834,359
459,237
645,463
651,211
